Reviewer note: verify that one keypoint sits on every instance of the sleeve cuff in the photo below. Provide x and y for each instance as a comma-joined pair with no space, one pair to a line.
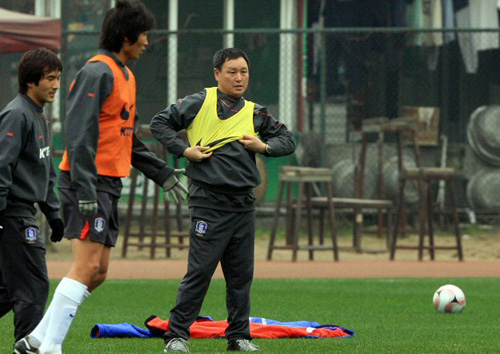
179,152
53,215
163,174
268,151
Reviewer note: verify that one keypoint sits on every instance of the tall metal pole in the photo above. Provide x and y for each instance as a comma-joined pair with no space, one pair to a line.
322,87
228,23
287,60
52,8
173,25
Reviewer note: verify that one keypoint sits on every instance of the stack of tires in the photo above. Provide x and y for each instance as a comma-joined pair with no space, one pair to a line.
344,176
483,135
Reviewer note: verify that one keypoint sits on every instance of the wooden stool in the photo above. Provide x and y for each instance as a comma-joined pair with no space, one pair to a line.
305,177
145,222
168,232
426,176
381,126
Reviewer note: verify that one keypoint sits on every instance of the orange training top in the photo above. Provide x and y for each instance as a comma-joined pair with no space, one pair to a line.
116,124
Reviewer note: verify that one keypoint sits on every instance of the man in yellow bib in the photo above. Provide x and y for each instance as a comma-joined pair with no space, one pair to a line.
225,131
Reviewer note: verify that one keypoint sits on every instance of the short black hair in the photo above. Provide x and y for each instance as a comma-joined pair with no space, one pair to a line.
127,20
34,65
223,55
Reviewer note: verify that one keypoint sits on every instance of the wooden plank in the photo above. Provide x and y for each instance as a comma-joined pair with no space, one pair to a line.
429,172
352,202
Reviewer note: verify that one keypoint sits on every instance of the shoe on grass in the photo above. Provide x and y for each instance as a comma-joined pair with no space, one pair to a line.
177,345
23,346
242,345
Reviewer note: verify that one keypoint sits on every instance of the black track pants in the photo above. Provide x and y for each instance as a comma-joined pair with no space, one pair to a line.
217,236
24,282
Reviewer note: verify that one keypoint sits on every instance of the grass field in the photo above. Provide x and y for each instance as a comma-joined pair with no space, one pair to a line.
387,315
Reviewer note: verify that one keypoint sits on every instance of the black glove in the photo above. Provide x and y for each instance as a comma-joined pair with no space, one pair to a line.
57,227
2,222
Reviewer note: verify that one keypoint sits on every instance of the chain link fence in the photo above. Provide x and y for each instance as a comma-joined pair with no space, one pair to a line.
324,84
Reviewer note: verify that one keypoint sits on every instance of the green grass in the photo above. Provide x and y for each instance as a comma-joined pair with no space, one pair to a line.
387,315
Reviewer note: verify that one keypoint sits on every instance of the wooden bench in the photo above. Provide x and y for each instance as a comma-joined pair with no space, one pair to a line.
305,177
358,206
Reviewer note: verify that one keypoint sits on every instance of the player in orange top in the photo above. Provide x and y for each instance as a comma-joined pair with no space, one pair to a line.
101,146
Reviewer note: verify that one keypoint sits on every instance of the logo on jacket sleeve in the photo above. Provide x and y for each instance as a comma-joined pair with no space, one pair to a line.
44,152
99,224
200,228
30,234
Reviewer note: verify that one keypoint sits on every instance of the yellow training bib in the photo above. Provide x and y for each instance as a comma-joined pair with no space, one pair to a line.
207,129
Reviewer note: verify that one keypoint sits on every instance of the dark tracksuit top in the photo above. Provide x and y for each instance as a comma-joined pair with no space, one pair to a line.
82,136
27,174
221,199
229,175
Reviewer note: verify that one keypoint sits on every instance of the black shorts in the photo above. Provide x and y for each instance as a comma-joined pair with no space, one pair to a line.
102,229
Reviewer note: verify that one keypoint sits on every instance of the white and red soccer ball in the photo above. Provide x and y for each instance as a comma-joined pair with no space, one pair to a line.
449,298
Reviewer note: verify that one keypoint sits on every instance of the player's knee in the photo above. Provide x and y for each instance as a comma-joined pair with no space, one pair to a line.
99,278
88,270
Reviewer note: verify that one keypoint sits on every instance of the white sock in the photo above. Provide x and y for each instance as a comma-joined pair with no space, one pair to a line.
36,337
86,294
68,296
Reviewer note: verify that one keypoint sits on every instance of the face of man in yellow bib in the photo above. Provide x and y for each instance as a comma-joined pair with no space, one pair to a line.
233,77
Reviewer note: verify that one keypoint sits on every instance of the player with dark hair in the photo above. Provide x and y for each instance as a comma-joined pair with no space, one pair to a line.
222,129
129,20
102,144
34,66
27,176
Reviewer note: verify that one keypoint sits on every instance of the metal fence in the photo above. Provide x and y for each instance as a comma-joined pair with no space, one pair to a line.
325,83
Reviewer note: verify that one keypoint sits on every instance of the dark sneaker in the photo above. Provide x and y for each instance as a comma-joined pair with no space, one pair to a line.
242,345
23,346
177,345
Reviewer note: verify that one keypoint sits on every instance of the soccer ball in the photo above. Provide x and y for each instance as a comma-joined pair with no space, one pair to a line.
449,298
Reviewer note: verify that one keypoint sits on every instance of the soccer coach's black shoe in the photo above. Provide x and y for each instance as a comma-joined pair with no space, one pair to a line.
242,345
23,346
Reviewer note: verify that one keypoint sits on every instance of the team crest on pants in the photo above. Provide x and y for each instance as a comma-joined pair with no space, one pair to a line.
30,234
200,228
99,224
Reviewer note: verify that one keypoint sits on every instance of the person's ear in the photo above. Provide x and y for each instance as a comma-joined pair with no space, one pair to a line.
216,74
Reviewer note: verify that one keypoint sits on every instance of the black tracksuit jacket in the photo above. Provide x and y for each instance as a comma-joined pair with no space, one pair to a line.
27,174
225,180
